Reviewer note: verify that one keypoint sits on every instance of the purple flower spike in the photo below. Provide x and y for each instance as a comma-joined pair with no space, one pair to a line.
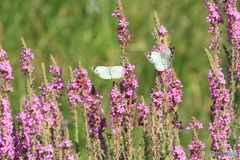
222,112
80,90
5,72
26,57
117,109
173,86
7,149
178,153
46,153
233,27
57,83
196,147
162,31
31,120
233,22
66,145
130,83
143,114
214,17
123,35
195,124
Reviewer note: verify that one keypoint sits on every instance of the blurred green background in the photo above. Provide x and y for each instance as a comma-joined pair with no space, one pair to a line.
85,30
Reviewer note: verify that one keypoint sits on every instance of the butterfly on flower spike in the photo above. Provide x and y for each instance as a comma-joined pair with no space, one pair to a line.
161,61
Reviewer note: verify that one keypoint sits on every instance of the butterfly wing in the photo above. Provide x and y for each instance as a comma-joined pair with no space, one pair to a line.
156,58
167,57
102,72
116,72
161,61
168,37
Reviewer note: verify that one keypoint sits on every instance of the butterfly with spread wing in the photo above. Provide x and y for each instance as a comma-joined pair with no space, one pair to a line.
104,72
161,61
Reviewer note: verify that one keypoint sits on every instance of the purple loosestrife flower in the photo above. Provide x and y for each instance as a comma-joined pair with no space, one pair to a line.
156,122
130,84
196,147
5,72
178,153
80,90
46,153
123,35
173,87
49,97
50,92
233,27
117,112
66,145
117,109
31,120
96,120
26,57
7,148
47,103
169,82
214,17
161,31
157,99
165,99
222,111
233,21
57,83
143,114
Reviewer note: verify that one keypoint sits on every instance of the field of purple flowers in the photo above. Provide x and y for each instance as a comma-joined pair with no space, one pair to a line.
39,131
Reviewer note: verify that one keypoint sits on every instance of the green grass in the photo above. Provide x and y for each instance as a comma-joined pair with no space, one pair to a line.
85,30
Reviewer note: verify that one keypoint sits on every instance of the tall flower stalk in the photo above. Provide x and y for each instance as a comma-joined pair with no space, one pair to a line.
7,148
129,83
222,112
233,27
82,95
31,118
117,113
49,97
165,98
143,120
196,147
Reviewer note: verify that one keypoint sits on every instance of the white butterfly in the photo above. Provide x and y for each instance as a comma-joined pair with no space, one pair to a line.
161,61
108,72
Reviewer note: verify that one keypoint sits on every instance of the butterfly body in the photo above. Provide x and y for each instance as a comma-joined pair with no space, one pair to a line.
104,72
161,61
